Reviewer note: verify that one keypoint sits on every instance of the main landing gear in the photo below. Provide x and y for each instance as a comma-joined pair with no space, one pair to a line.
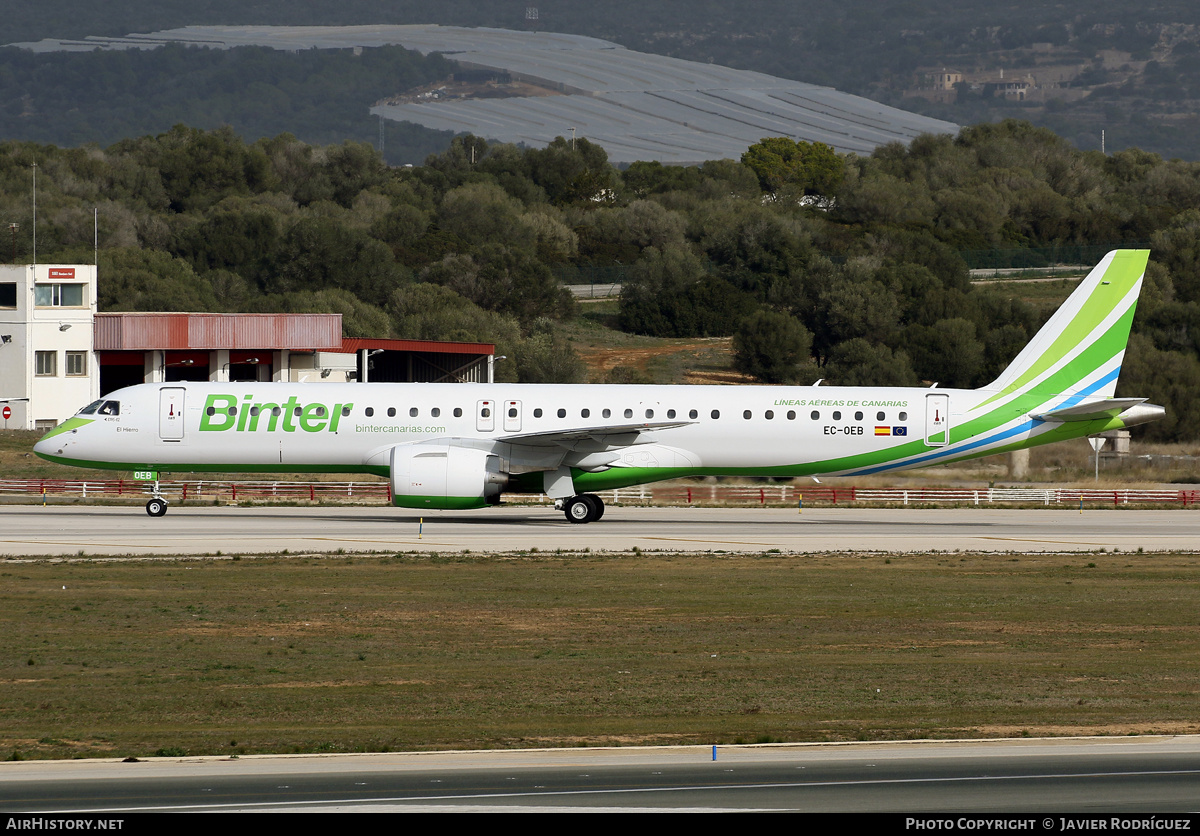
585,508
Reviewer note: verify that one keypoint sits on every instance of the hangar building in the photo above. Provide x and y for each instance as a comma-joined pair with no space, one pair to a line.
57,353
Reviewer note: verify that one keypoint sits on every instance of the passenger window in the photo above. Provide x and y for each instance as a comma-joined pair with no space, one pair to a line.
769,414
212,410
607,413
370,410
649,413
436,412
458,412
512,412
693,414
391,412
670,413
837,415
903,416
629,413
746,415
537,413
716,413
585,413
276,411
858,416
413,412
562,413
345,412
878,416
791,415
816,416
233,410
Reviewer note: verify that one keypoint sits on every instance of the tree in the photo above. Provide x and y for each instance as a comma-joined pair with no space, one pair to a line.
548,358
771,346
145,280
803,168
859,362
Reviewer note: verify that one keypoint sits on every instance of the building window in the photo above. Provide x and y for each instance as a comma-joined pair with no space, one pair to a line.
8,295
76,364
45,363
58,295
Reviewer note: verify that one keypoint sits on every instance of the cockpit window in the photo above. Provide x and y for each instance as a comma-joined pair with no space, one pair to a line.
109,408
91,408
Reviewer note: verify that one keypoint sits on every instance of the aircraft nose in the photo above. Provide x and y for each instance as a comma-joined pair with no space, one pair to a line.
50,446
55,442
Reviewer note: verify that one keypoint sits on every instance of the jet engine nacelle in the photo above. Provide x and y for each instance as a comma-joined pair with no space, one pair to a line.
442,475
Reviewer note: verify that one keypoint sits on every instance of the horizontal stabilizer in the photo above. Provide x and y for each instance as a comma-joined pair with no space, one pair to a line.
1094,411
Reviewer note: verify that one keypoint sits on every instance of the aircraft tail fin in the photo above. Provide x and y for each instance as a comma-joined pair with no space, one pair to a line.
1080,348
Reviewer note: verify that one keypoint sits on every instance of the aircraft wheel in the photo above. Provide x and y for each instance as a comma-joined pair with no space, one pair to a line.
597,505
156,507
580,510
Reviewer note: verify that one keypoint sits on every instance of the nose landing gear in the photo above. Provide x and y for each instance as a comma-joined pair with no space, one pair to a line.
157,506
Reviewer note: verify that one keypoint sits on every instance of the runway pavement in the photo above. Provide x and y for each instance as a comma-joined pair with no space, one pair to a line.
1139,775
71,530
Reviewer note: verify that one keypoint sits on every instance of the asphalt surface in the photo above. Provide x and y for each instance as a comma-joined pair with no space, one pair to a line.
1124,775
70,530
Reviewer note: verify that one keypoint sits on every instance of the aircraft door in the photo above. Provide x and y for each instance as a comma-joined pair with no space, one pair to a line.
485,416
512,416
170,413
937,420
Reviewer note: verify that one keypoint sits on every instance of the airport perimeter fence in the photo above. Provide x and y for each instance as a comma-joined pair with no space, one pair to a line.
664,493
1027,258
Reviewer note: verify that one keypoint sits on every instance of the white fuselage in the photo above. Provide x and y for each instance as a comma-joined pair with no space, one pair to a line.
351,427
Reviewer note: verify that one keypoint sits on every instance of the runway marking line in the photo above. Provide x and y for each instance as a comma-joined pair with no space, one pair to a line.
1054,542
693,540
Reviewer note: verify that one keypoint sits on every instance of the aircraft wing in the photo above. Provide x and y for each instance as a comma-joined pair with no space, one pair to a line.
601,435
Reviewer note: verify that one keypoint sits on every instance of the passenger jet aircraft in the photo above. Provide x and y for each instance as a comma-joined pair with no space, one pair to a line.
459,445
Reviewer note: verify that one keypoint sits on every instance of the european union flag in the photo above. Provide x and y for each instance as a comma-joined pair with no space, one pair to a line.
899,430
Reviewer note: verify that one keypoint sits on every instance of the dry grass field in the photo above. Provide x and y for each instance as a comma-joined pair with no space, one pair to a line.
410,652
